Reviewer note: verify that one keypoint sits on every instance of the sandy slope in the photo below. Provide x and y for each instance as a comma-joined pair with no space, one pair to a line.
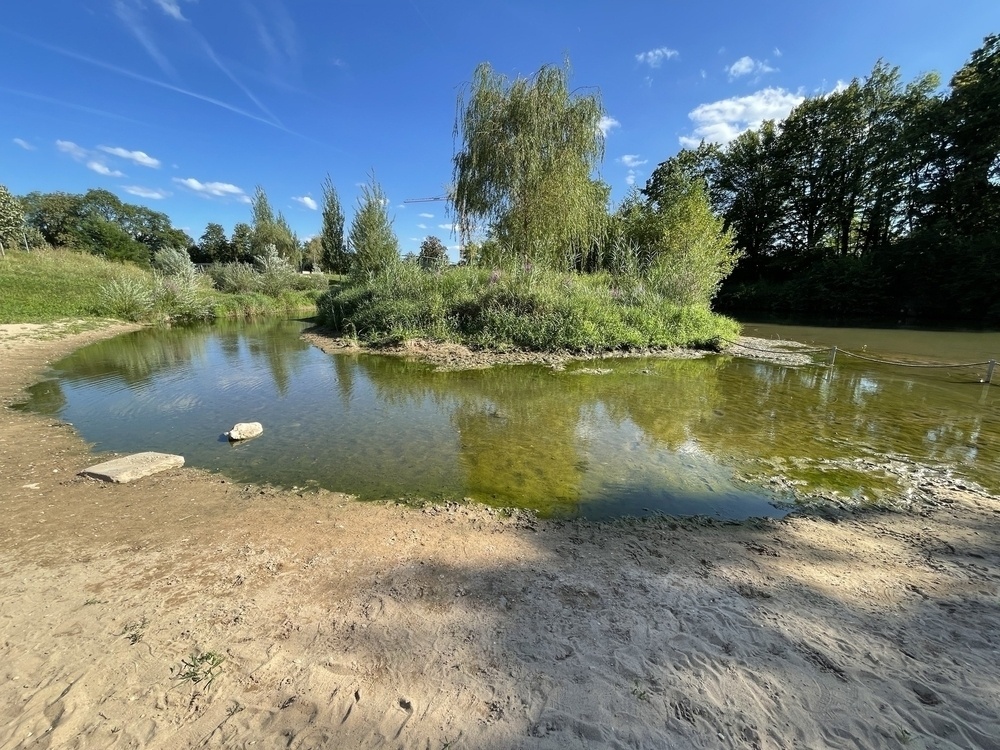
351,625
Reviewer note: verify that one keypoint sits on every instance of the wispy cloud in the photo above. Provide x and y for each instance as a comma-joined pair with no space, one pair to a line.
24,144
654,58
722,121
426,216
214,189
70,105
306,201
171,8
103,169
144,192
632,160
68,147
421,226
129,16
140,158
152,82
747,66
607,124
449,227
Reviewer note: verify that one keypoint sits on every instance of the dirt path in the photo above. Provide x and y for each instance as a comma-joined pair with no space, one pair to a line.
344,624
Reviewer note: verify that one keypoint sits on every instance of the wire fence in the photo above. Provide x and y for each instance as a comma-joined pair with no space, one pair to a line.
833,351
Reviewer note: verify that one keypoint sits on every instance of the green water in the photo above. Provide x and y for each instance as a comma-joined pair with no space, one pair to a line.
647,436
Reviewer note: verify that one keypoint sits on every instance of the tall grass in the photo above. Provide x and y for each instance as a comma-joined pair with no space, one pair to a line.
48,285
518,307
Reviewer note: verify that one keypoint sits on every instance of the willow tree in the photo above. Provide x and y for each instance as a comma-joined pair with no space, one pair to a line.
528,148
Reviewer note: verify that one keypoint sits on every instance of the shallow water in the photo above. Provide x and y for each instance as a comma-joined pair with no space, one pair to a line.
649,436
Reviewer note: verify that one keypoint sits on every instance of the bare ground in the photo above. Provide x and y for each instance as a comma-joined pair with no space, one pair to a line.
344,624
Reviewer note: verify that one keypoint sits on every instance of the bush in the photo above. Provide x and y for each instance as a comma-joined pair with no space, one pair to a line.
520,308
126,298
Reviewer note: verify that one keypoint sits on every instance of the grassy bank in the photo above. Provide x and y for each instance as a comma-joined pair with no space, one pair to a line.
532,309
49,285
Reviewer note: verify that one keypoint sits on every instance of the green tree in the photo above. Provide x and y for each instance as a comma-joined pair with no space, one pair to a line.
373,243
11,219
335,258
265,226
523,168
214,245
241,244
433,254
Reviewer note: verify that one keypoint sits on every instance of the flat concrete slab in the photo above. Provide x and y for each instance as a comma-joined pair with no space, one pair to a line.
136,466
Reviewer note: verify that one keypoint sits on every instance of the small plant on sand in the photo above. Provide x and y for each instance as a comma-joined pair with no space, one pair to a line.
639,693
134,631
200,667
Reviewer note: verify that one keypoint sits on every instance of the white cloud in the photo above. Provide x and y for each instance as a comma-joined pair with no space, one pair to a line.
632,160
630,178
171,8
24,144
68,147
777,52
426,216
145,192
214,189
746,66
449,227
103,169
606,124
306,201
655,57
720,122
421,226
140,158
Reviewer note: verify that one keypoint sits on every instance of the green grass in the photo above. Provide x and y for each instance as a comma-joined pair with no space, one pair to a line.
47,285
534,310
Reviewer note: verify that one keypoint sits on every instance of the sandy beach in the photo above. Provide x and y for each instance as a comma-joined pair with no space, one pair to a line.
185,610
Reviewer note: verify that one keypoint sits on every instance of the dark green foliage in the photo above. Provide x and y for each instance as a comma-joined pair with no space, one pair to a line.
878,200
433,254
99,223
335,257
214,246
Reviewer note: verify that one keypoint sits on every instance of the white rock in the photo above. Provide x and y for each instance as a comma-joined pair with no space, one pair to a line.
245,431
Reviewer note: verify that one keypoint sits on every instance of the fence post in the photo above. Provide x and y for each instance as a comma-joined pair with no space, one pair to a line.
833,357
989,371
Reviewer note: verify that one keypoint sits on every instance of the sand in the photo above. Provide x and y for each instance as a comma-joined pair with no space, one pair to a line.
339,624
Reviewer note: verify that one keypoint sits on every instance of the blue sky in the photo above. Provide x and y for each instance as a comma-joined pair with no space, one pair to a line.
187,105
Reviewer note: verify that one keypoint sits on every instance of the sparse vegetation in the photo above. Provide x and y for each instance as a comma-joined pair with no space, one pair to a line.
200,667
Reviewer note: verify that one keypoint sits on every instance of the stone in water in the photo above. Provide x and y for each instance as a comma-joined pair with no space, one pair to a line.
245,431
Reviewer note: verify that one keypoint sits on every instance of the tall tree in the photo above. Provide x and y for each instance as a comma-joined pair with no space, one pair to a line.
374,244
335,258
265,228
241,243
433,254
526,152
214,245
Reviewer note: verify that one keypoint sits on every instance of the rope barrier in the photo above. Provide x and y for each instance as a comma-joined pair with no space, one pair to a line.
833,351
907,364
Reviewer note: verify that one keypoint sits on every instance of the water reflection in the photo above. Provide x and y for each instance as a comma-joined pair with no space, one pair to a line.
600,439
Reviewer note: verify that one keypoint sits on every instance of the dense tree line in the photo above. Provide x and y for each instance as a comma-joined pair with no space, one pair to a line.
878,200
100,223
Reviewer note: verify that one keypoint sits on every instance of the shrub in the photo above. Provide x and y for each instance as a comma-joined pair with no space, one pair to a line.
126,298
518,307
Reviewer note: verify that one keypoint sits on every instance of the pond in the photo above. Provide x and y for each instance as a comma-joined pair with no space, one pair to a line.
625,437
